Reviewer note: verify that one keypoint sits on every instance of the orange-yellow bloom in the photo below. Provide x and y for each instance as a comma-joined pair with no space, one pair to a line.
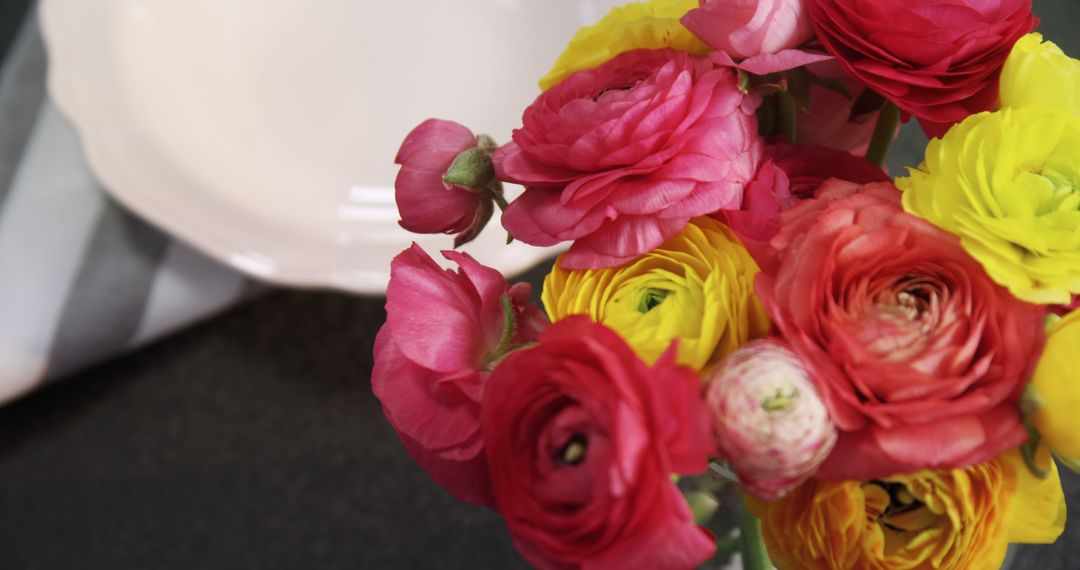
958,519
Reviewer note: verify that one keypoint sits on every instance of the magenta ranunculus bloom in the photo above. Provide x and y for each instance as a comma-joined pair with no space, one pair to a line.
582,438
432,358
428,205
746,28
618,158
920,357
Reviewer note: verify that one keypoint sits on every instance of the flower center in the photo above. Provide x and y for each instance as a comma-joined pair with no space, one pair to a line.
1056,186
899,513
614,88
573,452
651,298
780,400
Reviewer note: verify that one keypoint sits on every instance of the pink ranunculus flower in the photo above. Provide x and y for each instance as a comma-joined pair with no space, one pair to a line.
769,421
747,28
618,158
432,358
426,203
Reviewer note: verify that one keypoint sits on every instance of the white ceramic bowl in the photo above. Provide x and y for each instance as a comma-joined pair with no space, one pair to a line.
263,131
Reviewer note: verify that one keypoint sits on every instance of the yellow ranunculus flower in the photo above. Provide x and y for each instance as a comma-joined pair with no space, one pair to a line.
646,25
1008,183
959,519
1039,73
1058,387
697,287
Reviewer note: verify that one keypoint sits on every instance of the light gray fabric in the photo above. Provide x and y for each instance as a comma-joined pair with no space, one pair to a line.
22,91
104,308
81,278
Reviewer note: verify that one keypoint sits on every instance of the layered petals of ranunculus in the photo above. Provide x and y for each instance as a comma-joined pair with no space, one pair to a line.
1008,183
697,288
1038,73
619,158
938,61
746,28
582,438
428,205
769,422
652,24
960,519
431,360
919,355
790,173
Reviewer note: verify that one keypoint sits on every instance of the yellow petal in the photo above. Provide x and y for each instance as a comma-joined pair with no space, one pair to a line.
646,25
1038,510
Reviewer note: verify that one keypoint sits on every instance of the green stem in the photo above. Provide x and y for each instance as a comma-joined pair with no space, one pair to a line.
725,548
754,554
888,119
509,329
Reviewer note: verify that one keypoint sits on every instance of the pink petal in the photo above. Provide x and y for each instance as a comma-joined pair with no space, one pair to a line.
469,481
783,60
433,314
437,134
444,422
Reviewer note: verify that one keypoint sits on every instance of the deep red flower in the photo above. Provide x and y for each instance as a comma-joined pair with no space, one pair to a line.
938,60
582,438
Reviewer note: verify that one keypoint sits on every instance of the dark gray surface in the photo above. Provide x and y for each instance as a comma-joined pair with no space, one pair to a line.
252,442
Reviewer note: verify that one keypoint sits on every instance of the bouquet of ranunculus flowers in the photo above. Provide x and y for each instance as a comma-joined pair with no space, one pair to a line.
882,364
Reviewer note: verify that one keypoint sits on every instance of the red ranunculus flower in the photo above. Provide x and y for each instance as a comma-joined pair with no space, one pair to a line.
619,158
582,438
938,60
431,360
920,357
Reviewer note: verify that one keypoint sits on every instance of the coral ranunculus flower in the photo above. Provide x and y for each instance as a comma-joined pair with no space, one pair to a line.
619,158
920,357
1008,183
961,519
939,61
582,438
652,24
698,287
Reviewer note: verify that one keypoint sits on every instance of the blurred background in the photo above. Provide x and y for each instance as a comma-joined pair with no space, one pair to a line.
242,432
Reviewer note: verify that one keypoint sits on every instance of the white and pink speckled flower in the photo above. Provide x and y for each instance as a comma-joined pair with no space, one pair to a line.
769,422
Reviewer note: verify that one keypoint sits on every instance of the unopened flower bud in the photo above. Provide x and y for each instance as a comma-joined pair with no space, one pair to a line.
447,182
769,421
